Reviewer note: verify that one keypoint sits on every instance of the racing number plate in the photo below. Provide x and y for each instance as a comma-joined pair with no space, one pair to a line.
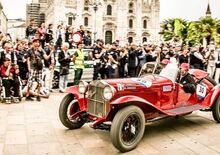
201,90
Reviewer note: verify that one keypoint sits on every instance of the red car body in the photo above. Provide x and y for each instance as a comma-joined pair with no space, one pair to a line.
157,97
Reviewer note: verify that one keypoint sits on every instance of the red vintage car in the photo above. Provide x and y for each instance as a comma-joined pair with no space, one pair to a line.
123,106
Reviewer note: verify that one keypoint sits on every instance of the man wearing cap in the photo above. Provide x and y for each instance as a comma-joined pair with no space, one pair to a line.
78,59
97,55
35,55
186,80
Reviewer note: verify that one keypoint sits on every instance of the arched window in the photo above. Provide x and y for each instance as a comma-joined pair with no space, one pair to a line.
144,39
131,7
109,10
145,24
70,20
108,37
86,21
130,40
130,23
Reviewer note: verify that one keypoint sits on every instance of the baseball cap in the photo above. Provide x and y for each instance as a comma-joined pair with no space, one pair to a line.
184,66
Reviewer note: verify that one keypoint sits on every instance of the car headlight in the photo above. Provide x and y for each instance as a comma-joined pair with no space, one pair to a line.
108,93
82,87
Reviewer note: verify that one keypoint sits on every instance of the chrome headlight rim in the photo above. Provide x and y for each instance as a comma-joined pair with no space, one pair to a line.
82,87
108,90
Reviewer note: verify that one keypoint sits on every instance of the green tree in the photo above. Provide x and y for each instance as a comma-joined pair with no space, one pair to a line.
174,29
203,31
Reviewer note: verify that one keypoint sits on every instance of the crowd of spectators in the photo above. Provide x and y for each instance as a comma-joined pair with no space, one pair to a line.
22,61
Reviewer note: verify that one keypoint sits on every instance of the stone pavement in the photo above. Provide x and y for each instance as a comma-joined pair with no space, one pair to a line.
33,128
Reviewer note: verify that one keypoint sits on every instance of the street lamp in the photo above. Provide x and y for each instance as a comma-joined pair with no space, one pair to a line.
95,6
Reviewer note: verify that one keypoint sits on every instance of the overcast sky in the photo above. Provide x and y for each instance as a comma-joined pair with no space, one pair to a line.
186,9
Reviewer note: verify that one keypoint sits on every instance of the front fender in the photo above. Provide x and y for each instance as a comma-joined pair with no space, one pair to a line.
135,99
210,99
82,100
74,90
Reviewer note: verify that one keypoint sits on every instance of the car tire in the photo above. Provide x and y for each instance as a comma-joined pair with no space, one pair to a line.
216,110
55,81
69,105
128,120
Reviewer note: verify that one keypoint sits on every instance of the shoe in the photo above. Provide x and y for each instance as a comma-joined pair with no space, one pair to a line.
8,100
16,100
38,98
61,91
29,98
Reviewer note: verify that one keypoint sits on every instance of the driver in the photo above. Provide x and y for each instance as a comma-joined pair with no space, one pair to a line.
186,80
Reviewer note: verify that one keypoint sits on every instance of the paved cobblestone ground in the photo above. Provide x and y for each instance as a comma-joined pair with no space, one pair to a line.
33,128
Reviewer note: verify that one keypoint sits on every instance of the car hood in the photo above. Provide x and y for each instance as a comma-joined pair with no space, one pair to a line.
148,81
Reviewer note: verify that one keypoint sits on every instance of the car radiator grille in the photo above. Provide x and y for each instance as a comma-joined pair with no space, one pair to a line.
96,104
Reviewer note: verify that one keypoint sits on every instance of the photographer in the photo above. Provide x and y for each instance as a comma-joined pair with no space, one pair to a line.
9,74
133,60
49,65
210,60
98,59
34,62
111,58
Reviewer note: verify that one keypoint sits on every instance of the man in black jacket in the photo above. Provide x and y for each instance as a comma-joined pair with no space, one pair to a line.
64,59
132,60
31,30
187,80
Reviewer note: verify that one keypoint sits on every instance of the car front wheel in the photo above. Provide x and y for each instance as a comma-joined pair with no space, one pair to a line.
127,128
68,107
216,110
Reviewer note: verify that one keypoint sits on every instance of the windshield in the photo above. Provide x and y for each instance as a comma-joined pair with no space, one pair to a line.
148,68
170,72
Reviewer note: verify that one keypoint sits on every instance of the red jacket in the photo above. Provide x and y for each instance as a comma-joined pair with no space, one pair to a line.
3,71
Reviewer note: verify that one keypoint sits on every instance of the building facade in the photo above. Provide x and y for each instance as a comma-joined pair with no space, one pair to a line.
123,20
36,10
16,27
3,20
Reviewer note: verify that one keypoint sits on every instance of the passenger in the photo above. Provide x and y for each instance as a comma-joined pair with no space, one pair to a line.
186,80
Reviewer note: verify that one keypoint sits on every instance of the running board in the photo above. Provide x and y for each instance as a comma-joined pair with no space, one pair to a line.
184,110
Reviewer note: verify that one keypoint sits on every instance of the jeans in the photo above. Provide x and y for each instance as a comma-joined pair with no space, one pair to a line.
63,82
8,84
78,75
49,78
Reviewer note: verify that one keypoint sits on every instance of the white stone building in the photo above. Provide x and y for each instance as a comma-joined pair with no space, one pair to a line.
123,20
3,20
16,27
